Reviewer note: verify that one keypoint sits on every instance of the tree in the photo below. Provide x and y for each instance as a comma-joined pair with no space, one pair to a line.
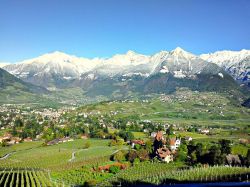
193,158
126,135
225,146
143,154
149,146
137,147
132,155
169,130
215,156
119,156
18,122
248,158
136,161
182,153
114,169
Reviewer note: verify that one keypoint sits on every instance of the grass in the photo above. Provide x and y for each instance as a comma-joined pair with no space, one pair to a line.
194,135
56,159
140,135
20,147
240,149
207,109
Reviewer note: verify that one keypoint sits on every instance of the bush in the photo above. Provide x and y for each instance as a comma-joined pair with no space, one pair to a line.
132,155
116,142
119,156
137,146
114,169
143,154
136,161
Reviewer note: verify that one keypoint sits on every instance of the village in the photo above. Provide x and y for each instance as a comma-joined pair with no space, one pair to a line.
131,123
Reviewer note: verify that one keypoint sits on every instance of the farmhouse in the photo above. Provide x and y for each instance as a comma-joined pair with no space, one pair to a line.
174,143
164,154
159,136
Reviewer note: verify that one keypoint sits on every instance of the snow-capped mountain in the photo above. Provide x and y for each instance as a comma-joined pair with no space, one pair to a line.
2,64
236,63
182,64
56,62
131,71
50,68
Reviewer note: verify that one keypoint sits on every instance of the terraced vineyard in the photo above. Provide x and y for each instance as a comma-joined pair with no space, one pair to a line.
25,177
160,173
55,163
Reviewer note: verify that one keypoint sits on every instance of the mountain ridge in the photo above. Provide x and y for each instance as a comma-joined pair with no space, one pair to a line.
129,72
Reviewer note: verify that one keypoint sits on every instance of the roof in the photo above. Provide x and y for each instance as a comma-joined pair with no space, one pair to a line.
140,142
172,141
159,136
163,152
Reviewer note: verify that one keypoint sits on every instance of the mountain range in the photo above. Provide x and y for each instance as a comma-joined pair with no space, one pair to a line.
128,73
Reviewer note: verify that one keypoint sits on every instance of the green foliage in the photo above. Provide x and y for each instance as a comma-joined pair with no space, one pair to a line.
225,146
182,153
132,155
25,177
169,130
126,135
162,174
143,154
136,161
149,146
119,156
114,169
137,147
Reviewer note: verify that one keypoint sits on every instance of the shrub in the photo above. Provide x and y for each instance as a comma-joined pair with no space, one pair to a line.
136,161
119,156
132,155
114,169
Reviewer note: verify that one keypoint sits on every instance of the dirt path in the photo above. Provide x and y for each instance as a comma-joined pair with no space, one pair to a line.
73,156
6,156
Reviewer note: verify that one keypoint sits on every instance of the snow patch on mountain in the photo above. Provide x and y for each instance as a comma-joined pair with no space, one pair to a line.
2,64
236,63
58,66
221,75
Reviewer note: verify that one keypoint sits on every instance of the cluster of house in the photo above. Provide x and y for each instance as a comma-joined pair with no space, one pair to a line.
11,140
59,140
164,153
12,113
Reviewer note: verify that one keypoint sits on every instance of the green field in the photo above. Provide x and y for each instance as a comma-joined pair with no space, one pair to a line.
57,159
184,108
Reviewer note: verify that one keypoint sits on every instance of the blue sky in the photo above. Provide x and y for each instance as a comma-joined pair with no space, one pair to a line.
102,28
